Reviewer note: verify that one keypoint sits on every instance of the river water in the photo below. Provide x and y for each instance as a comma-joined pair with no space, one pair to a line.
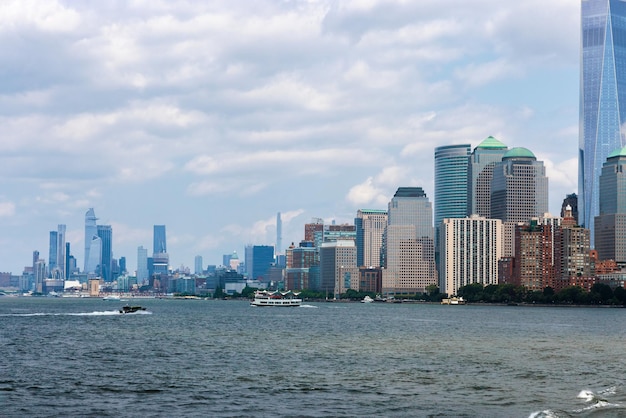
80,357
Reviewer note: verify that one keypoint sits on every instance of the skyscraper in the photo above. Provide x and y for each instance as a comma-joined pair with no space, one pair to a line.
159,242
451,169
105,233
60,264
52,254
519,187
91,231
279,234
142,265
610,224
370,227
198,264
409,243
338,269
602,98
480,172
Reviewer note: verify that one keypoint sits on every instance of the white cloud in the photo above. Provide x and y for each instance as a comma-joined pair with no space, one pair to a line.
7,209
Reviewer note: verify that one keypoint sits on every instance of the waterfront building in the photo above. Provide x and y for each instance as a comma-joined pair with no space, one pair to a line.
572,251
299,262
409,243
602,98
451,181
534,255
610,225
338,269
91,231
469,252
160,257
480,172
370,227
519,187
60,255
105,233
259,259
370,279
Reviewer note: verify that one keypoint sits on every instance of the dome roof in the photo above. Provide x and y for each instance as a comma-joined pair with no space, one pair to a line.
618,153
519,152
491,142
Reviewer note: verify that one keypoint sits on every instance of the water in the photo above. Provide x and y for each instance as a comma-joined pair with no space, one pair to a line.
80,357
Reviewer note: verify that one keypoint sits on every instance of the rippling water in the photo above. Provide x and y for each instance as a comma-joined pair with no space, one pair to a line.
80,357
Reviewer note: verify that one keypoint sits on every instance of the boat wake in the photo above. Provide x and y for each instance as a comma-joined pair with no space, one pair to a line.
595,403
309,306
95,313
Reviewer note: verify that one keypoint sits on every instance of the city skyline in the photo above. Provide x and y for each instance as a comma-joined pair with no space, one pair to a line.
174,115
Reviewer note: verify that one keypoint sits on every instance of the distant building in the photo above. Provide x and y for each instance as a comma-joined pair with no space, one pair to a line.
572,252
52,255
570,200
480,172
469,252
259,258
316,225
370,227
534,257
299,260
142,265
105,233
409,243
451,181
91,232
370,279
519,188
338,269
198,264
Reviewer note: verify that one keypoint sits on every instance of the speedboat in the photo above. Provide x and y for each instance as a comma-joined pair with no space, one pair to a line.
131,309
367,299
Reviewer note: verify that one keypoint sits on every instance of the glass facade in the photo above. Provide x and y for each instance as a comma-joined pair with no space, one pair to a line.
451,165
603,88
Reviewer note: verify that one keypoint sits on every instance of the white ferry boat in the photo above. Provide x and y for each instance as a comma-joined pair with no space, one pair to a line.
453,301
267,298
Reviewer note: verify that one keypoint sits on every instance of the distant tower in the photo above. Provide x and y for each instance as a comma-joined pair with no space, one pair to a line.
480,172
105,233
142,265
338,269
409,243
91,231
519,188
198,264
68,257
60,264
570,200
451,169
52,254
279,234
159,242
610,225
370,227
602,98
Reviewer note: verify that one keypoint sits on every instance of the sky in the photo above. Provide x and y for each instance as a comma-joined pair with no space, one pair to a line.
211,117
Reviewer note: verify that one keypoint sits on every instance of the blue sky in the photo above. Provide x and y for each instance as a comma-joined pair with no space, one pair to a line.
211,117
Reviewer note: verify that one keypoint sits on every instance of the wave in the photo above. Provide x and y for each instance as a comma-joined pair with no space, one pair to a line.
596,402
309,306
95,313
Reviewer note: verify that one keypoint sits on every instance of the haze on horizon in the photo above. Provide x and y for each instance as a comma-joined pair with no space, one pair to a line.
211,117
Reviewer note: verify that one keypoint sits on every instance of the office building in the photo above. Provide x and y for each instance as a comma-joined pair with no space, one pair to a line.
534,255
142,266
338,269
602,98
519,187
60,256
105,233
451,185
259,259
91,231
198,264
610,225
279,234
52,253
469,252
480,172
159,244
572,249
370,227
299,261
409,244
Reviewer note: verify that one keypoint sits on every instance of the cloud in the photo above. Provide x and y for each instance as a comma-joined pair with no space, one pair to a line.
7,209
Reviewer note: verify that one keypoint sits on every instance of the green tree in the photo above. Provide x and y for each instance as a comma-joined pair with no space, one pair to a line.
601,293
620,295
471,292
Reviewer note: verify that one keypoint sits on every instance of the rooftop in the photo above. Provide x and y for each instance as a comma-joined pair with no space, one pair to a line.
491,142
519,152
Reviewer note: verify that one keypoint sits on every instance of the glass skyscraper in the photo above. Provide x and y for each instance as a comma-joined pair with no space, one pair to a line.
451,165
603,89
159,244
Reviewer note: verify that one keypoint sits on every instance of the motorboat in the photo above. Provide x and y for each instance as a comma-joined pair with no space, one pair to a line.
367,299
131,309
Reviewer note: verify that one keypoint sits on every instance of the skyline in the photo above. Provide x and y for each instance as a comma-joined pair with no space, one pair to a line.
211,118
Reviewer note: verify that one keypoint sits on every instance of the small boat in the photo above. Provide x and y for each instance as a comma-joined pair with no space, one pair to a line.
131,309
284,299
453,301
367,299
112,298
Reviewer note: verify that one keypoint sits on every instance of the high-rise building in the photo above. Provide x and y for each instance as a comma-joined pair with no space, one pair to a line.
198,264
534,255
469,252
159,241
91,231
142,265
299,261
279,234
519,187
451,181
52,255
105,233
338,269
480,172
60,257
570,200
316,224
409,243
610,225
370,227
602,98
571,251
259,259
